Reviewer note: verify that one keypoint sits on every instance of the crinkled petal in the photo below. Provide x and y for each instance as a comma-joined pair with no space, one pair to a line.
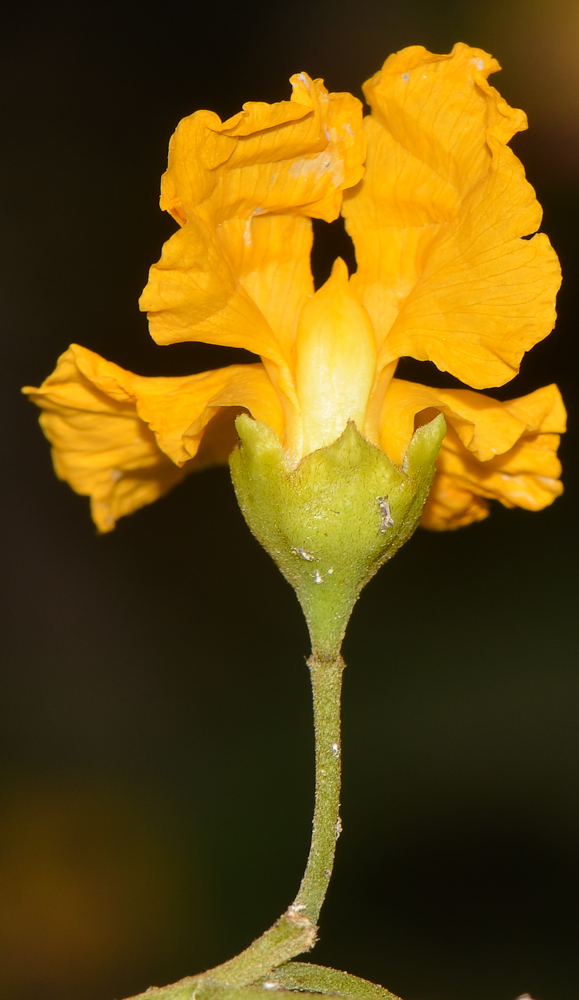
125,440
439,219
295,156
236,188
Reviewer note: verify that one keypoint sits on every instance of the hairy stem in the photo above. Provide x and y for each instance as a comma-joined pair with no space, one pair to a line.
296,930
326,688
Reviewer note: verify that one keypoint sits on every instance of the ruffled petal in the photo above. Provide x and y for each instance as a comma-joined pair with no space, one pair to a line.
439,218
238,272
295,156
492,450
125,440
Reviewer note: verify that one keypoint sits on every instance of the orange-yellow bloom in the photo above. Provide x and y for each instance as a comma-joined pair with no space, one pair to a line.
439,211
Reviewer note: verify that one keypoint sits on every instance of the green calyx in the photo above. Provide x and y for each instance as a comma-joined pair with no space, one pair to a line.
330,523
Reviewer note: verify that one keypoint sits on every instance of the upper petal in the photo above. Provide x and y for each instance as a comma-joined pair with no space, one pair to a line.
124,440
271,261
439,218
238,272
297,156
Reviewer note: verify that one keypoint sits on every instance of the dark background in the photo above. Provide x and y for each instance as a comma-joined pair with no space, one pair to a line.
156,774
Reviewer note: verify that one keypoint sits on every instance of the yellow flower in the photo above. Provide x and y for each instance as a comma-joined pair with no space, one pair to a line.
439,211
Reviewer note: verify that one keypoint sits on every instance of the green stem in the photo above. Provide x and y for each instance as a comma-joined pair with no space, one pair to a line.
296,930
326,689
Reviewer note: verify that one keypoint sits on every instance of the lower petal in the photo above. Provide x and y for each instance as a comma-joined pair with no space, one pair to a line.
125,440
526,476
100,446
485,426
452,506
492,450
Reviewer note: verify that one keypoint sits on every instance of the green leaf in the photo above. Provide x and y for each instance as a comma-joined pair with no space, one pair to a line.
304,976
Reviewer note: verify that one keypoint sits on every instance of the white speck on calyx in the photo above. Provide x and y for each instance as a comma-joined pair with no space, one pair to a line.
302,554
318,577
385,513
339,827
270,986
335,749
330,571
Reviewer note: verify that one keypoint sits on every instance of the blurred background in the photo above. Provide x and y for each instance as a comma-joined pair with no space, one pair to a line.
156,767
